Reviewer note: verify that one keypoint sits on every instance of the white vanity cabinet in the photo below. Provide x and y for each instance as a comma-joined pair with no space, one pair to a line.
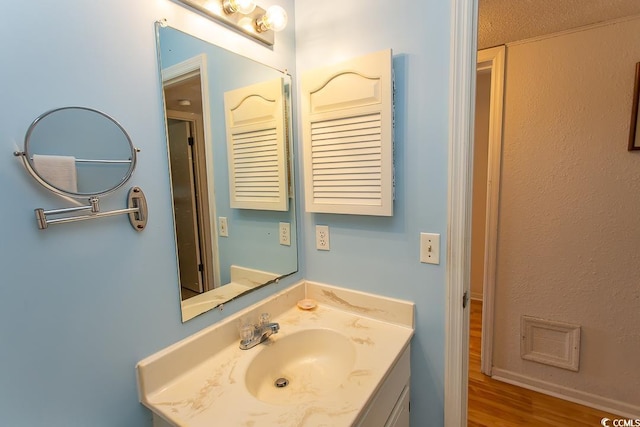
390,405
159,422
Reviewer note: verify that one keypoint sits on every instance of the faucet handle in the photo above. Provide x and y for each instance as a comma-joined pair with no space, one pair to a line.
265,318
246,332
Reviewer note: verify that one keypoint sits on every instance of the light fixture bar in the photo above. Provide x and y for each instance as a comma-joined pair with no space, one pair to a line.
237,21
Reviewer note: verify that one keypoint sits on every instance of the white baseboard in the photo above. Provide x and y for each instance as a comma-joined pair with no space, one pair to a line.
622,409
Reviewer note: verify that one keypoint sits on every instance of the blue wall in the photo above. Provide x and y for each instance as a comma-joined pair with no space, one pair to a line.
81,303
376,254
253,239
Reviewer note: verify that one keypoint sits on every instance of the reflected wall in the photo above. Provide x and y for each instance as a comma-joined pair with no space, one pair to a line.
253,238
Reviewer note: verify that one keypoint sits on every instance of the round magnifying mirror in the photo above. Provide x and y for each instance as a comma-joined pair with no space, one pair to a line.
79,152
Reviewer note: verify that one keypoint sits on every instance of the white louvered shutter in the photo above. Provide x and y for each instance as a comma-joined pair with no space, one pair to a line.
256,146
347,114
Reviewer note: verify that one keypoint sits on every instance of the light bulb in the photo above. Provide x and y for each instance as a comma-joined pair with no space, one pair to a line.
213,6
247,24
243,6
275,19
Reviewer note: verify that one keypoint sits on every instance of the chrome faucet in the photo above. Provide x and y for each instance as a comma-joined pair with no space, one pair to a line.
252,335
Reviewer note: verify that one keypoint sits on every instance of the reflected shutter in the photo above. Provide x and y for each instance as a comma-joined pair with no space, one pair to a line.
256,146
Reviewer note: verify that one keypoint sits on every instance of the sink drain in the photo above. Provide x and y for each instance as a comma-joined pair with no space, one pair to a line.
281,382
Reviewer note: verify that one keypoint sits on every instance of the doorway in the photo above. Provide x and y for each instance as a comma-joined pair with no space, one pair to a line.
486,190
463,72
191,178
189,212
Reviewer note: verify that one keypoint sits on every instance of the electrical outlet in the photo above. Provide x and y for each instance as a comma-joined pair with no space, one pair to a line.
430,248
322,237
223,227
285,233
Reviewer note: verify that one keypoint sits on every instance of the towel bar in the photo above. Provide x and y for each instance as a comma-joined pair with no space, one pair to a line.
22,153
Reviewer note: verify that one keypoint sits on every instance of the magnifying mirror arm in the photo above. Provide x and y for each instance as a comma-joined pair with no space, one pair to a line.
136,208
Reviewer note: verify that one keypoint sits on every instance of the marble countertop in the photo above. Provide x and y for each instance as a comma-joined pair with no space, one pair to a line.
211,390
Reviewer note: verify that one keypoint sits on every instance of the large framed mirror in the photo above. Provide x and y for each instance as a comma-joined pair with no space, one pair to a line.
223,251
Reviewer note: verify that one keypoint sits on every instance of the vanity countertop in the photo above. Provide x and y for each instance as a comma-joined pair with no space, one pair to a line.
212,390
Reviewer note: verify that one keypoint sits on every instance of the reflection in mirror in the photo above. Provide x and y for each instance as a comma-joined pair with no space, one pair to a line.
222,252
79,152
256,135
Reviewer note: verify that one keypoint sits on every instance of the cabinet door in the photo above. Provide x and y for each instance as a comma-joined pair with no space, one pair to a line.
257,146
390,405
347,116
400,414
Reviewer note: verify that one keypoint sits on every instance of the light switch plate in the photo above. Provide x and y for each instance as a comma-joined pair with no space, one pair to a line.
223,227
430,248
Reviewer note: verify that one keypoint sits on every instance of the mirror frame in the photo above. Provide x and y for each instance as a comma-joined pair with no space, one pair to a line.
28,160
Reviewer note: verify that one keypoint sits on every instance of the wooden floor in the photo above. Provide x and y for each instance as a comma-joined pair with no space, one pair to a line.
493,403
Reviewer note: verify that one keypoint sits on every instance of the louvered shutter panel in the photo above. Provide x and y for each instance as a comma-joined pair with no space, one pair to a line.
256,146
347,113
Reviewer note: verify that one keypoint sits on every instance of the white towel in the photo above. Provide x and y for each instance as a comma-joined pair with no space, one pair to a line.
59,171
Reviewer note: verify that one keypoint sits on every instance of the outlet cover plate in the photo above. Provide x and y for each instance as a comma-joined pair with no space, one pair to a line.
322,237
285,233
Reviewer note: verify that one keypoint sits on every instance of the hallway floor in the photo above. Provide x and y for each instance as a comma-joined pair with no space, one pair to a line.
496,404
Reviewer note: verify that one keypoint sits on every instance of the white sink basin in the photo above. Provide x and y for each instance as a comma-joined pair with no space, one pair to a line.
306,365
334,356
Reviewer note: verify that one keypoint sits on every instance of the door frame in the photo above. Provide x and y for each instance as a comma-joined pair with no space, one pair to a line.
464,18
491,59
464,36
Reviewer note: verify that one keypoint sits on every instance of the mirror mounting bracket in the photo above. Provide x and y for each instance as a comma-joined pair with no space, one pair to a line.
136,208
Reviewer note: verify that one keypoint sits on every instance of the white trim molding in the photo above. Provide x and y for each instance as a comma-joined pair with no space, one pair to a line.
476,296
464,15
493,59
574,30
572,395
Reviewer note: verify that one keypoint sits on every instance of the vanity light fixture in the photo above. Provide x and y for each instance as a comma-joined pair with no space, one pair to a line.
243,16
242,6
275,19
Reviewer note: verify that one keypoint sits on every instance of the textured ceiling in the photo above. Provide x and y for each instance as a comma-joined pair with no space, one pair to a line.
504,21
188,90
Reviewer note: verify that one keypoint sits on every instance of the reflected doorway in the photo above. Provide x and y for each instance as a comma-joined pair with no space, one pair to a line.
189,185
